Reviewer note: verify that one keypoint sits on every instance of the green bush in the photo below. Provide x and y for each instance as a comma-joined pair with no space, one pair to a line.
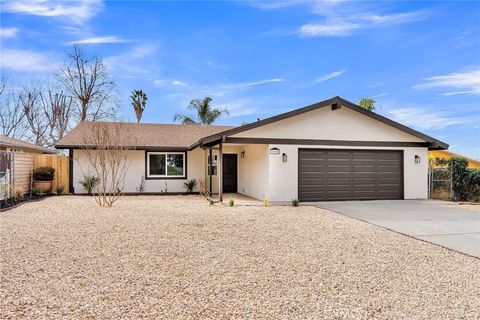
38,191
211,202
295,202
60,189
465,181
231,202
89,182
190,185
43,174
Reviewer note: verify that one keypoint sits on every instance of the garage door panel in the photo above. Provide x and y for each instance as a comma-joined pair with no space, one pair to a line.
349,174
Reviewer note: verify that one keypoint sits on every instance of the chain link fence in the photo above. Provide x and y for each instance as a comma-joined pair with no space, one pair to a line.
440,184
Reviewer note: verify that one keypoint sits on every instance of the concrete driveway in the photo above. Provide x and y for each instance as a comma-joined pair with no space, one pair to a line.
433,221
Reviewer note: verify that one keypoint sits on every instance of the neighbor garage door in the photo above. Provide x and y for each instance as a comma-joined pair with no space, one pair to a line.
349,174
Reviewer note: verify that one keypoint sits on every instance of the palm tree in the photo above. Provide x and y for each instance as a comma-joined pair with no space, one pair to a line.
205,113
139,101
367,103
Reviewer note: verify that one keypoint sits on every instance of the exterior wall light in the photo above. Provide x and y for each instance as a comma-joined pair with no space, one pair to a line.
417,159
242,154
274,151
284,157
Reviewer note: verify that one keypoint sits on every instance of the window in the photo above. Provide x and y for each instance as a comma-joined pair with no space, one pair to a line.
166,164
214,165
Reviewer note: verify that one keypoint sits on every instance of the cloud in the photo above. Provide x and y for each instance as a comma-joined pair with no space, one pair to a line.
98,40
132,62
179,83
24,60
78,11
8,32
457,82
250,84
327,29
328,76
396,18
424,119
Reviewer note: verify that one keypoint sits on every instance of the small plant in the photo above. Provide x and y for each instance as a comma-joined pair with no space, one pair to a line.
43,174
89,182
38,191
295,202
19,193
266,202
211,202
190,185
141,187
231,202
202,187
60,189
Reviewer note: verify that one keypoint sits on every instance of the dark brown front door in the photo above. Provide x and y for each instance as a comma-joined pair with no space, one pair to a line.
229,173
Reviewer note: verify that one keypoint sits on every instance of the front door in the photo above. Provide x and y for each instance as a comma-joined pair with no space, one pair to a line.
229,173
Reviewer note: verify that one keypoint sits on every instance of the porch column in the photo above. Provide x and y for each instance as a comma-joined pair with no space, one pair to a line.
209,162
220,171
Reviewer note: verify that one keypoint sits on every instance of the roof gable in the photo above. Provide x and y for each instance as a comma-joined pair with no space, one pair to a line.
334,103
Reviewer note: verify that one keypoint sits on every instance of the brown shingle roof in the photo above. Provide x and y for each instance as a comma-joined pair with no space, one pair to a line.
146,135
9,142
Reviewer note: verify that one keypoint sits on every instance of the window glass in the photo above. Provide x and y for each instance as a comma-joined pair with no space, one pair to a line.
157,164
175,164
214,165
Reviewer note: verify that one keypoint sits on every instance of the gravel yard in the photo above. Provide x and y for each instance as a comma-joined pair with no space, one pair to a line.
178,257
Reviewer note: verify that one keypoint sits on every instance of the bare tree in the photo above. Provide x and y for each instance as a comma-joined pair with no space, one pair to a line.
58,110
87,80
12,117
31,102
107,155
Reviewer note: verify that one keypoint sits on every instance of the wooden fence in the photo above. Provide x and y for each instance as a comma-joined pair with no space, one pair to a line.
61,166
24,164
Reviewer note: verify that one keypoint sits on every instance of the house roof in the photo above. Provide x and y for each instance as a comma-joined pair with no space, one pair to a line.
9,142
188,136
336,102
145,135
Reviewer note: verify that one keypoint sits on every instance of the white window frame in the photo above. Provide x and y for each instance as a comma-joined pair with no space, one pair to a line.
165,176
214,156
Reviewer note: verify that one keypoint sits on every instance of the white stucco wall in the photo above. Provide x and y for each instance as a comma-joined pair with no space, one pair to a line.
253,171
195,170
325,124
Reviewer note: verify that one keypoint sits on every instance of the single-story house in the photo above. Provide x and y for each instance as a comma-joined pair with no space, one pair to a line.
331,150
444,154
19,156
20,146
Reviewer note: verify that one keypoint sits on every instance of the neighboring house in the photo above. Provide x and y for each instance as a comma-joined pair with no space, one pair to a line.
443,154
331,150
24,160
12,144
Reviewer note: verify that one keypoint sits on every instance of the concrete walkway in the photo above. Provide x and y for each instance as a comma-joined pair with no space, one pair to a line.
429,220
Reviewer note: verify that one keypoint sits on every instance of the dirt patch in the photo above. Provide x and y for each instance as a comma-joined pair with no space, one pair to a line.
179,257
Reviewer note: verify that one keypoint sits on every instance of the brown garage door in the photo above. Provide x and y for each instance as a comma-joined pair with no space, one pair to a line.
329,174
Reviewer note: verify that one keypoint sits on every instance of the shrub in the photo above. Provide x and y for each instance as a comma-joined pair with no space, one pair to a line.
190,185
266,202
202,187
38,191
89,182
211,202
60,189
295,202
43,174
231,202
19,193
465,181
